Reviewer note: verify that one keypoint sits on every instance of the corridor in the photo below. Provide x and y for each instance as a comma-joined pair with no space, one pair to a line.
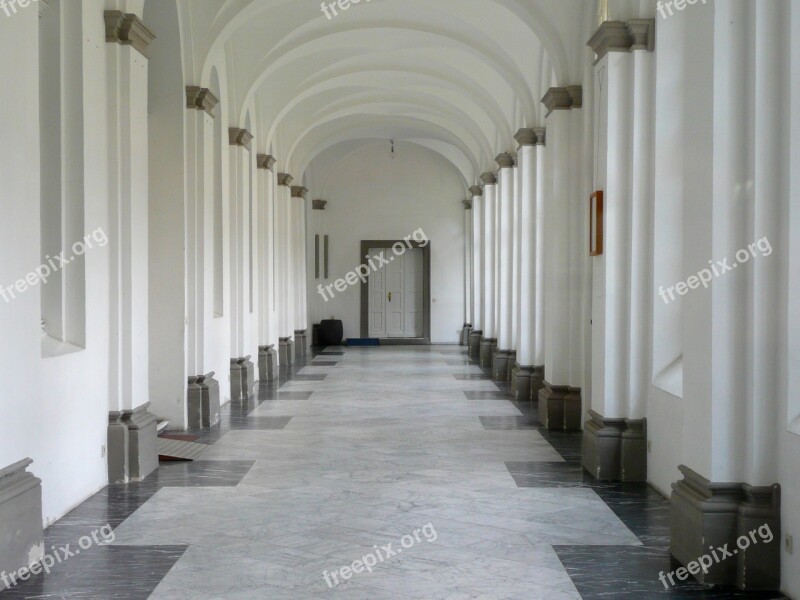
358,449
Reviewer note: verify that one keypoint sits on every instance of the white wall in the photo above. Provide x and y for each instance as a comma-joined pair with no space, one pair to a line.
55,410
374,197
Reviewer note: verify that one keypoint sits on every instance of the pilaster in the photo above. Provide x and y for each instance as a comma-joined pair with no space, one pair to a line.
709,516
21,534
267,363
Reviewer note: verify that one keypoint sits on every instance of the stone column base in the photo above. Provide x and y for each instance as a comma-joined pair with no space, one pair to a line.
615,449
512,362
21,534
500,362
466,331
242,377
705,513
285,351
488,348
132,444
474,349
267,363
526,381
301,345
203,401
560,407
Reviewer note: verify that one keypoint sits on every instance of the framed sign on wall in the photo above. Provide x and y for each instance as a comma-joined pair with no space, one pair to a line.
596,223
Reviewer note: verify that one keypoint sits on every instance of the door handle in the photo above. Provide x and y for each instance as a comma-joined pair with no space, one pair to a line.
390,296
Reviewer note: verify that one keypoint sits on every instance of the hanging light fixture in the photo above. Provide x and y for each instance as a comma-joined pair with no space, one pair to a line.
392,144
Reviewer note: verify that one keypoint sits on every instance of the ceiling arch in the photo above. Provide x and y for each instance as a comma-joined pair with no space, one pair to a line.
458,78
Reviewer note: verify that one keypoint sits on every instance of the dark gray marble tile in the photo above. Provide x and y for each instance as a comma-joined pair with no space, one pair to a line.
101,573
323,363
307,377
632,573
471,376
487,395
458,362
506,423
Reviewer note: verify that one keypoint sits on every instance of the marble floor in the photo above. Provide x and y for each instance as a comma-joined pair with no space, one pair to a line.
358,449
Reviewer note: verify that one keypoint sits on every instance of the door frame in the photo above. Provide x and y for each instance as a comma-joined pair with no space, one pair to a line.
426,289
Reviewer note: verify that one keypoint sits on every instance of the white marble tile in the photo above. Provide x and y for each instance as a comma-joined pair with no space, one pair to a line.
386,444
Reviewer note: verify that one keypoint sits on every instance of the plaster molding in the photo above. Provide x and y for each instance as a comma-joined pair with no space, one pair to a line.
318,204
525,137
298,191
476,191
127,29
541,136
563,98
265,161
643,32
621,36
240,137
489,178
201,99
505,160
467,204
285,179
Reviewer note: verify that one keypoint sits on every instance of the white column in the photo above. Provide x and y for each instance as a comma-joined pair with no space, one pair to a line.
770,193
298,258
239,181
612,337
199,225
557,252
477,257
468,269
266,249
285,296
128,226
560,402
516,259
497,252
640,255
539,251
527,253
506,239
489,208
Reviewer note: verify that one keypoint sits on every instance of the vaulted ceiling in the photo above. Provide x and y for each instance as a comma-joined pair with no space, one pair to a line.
457,76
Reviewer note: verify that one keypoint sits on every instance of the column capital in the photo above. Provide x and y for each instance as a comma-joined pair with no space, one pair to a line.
127,29
621,36
200,98
541,136
476,191
563,98
643,32
265,161
240,137
525,137
298,191
285,179
467,204
318,204
505,160
489,178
